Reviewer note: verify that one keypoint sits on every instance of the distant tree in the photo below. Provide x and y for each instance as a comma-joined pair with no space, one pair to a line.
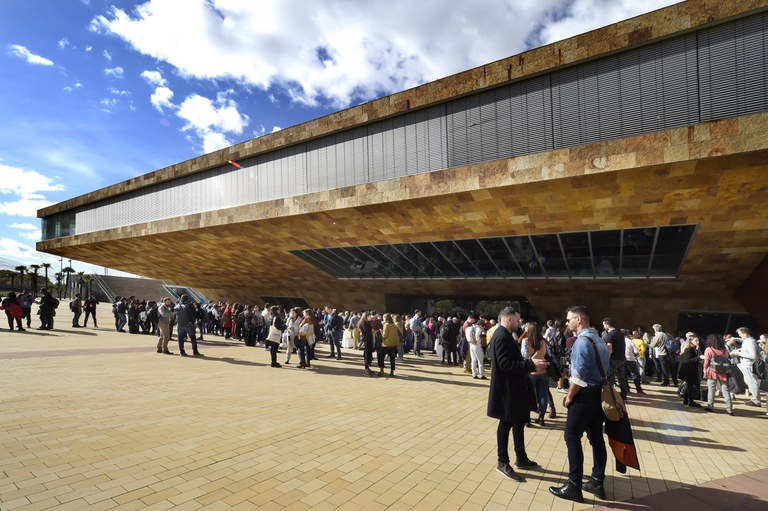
21,269
59,277
35,268
46,266
80,275
443,306
68,270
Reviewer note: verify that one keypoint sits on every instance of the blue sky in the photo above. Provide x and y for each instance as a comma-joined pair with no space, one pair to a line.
95,92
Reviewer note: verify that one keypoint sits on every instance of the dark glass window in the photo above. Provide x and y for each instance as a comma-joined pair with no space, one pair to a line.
501,256
453,259
423,266
479,259
595,254
605,252
550,255
636,248
522,249
671,248
577,254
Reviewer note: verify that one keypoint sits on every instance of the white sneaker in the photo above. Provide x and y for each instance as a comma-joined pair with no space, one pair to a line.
562,391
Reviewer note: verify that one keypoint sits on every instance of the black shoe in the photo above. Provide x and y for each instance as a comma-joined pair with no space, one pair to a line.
159,350
594,487
540,421
197,354
183,353
525,463
166,352
694,404
507,471
568,492
276,365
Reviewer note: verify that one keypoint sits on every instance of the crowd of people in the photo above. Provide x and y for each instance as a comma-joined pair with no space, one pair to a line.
523,356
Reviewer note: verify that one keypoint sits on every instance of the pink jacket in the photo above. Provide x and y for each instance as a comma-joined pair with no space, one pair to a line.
709,373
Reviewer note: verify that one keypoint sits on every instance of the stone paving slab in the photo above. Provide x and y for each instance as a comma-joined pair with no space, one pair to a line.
95,419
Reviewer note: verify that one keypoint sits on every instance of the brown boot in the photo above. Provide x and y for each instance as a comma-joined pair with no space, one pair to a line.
552,413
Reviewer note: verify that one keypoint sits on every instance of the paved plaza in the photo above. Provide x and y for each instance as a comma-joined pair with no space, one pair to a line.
95,419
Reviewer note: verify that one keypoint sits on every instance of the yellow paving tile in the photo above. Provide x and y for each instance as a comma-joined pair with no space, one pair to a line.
221,433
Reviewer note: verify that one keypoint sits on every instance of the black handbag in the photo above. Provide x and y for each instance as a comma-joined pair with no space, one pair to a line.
553,370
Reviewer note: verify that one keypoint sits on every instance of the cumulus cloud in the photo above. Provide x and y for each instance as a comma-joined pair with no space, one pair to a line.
17,251
35,235
107,55
161,98
63,43
210,120
114,72
119,92
25,206
23,53
25,227
153,78
88,49
348,51
21,181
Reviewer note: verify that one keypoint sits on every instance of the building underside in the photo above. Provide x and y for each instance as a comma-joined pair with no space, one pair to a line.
623,169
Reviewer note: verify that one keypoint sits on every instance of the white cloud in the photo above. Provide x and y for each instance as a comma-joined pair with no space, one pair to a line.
26,227
20,181
275,129
347,51
210,120
115,72
69,88
161,98
63,43
154,78
26,206
118,92
88,49
20,51
107,55
18,251
35,235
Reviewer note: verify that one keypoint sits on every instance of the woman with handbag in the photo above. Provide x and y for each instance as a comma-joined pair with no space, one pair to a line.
689,369
275,336
390,341
306,336
717,365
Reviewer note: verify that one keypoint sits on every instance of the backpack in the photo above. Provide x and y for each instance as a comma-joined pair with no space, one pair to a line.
758,367
720,364
54,302
152,315
673,348
72,306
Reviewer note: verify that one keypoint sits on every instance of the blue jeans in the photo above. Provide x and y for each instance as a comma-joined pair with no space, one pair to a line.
540,384
585,414
302,348
185,330
121,321
334,339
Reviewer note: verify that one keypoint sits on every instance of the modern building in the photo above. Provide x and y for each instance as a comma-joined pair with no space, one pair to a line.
625,169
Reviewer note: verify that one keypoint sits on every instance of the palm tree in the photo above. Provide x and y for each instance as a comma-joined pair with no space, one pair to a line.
69,271
58,276
46,266
21,269
88,279
36,268
8,275
80,275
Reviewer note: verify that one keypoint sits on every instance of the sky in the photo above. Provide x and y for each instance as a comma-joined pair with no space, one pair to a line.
95,92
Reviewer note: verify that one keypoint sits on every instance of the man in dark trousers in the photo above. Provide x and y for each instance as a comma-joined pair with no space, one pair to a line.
585,411
508,399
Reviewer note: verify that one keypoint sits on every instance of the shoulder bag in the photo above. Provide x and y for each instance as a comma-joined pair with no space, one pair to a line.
613,405
275,335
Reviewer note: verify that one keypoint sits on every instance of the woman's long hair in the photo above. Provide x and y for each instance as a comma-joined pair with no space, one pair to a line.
715,341
533,335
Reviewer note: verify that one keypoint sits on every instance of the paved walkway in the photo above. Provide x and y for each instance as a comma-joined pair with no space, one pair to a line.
94,419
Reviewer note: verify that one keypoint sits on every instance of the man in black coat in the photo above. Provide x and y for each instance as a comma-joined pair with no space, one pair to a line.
508,399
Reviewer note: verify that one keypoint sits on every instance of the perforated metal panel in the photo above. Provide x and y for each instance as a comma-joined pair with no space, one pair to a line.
716,72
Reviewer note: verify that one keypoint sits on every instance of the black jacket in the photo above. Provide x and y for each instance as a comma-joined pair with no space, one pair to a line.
508,399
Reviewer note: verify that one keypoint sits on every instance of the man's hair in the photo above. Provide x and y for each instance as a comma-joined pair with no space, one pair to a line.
508,311
184,298
580,311
609,322
657,327
744,330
